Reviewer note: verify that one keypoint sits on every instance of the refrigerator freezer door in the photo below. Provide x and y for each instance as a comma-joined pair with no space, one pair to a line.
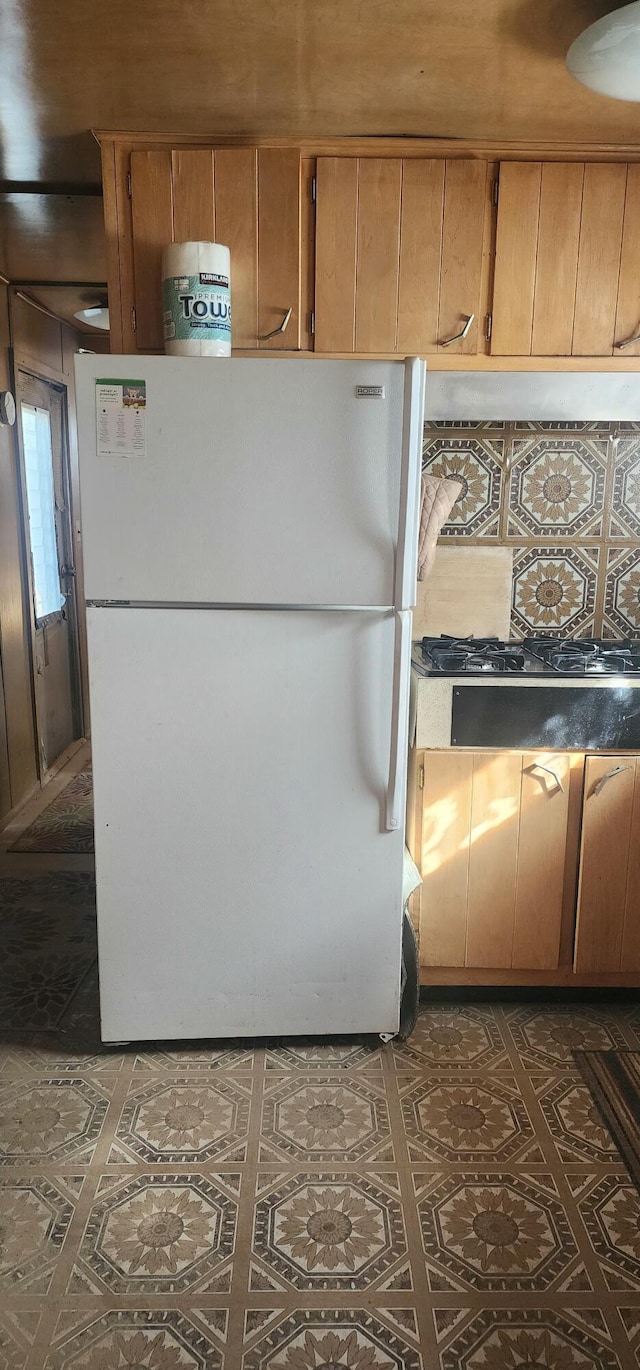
262,481
246,881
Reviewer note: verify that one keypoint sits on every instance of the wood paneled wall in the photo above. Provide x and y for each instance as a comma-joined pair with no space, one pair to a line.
46,347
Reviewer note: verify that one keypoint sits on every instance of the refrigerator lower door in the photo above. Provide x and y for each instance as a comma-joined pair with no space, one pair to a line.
246,880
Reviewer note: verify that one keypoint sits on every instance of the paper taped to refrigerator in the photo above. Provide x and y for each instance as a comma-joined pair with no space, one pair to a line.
121,407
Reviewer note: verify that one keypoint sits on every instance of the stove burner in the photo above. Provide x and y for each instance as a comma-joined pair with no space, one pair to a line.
541,654
606,663
472,654
547,647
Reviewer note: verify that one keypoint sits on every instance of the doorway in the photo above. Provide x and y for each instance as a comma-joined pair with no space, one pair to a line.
42,433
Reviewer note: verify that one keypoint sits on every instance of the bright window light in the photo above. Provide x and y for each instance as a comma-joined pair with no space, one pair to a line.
38,461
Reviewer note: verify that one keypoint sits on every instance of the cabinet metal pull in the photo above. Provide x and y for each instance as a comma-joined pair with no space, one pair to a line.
462,334
538,766
264,337
609,776
628,342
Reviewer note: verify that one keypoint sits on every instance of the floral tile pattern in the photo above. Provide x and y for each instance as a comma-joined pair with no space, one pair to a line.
34,1217
124,1340
66,825
485,424
575,1123
463,1035
497,1232
49,1120
554,591
465,1118
611,1213
47,929
547,1038
332,1340
223,1056
306,1054
622,594
158,1233
330,1231
557,487
326,1119
568,502
566,425
530,1339
186,1120
478,464
452,1201
625,502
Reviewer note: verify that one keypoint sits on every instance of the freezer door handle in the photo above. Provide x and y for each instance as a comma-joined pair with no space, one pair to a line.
409,515
399,720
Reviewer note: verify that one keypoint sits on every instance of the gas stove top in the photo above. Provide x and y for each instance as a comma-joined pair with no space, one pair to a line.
539,656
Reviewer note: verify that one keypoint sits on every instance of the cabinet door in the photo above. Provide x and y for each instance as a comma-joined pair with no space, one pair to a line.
399,253
543,858
246,198
567,259
493,857
608,922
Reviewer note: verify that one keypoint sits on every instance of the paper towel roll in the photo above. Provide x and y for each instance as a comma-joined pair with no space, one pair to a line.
196,300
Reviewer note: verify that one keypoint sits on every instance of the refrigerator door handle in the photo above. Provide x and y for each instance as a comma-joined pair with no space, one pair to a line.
409,516
399,720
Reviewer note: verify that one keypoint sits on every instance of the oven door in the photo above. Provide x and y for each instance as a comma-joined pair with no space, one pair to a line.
581,717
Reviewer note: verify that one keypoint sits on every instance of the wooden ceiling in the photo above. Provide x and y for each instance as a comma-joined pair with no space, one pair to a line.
464,68
454,68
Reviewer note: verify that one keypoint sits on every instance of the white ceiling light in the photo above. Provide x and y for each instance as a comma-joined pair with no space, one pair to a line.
97,316
606,57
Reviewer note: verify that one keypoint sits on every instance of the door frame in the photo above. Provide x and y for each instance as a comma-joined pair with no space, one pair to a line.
22,367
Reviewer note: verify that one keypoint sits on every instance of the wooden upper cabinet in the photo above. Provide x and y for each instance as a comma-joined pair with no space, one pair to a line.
247,198
400,254
567,267
608,924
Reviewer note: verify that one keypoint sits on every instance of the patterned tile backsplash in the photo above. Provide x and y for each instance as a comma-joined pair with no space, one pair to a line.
566,497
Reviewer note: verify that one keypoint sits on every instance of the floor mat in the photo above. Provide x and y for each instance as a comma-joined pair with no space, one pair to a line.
614,1080
66,825
48,940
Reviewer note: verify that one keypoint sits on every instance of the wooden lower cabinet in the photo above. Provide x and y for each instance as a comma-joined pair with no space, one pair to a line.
608,915
530,865
493,851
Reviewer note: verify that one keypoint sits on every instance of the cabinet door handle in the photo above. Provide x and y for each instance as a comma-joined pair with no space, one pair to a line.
446,342
538,766
264,337
628,342
609,776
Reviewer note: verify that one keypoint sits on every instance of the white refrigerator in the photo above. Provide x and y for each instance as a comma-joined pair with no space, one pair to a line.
250,541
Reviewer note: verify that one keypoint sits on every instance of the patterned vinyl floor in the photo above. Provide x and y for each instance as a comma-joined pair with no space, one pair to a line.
452,1203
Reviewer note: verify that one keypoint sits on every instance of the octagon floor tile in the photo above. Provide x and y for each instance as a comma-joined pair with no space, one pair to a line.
35,1213
122,1339
326,1118
313,1339
470,1036
44,1121
185,1119
497,1232
546,1038
528,1338
156,1234
463,1117
330,1230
